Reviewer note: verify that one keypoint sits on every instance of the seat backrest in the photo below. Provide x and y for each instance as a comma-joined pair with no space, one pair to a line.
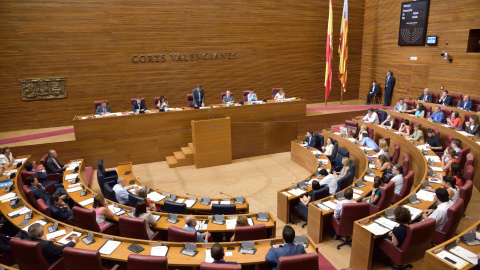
387,194
436,132
418,239
396,154
224,209
135,99
352,171
435,97
319,140
101,182
462,156
174,207
320,193
371,132
428,111
133,199
447,112
98,103
470,158
407,184
219,266
476,107
22,176
44,208
398,122
410,104
341,153
181,235
353,125
343,183
352,212
101,168
110,192
30,196
155,102
447,141
221,96
43,160
85,218
335,148
465,193
456,99
466,118
475,100
454,215
308,261
275,91
468,172
28,254
142,262
81,259
245,95
132,227
190,100
253,232
406,162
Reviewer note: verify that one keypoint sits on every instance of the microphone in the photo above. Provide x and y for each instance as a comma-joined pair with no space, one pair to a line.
190,194
227,194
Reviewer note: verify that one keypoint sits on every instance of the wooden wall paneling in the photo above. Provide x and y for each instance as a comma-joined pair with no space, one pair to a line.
278,136
247,139
213,142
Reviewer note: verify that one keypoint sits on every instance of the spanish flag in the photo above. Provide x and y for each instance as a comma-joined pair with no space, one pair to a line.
343,47
328,67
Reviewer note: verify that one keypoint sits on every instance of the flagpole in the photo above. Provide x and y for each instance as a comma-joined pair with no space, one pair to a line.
341,96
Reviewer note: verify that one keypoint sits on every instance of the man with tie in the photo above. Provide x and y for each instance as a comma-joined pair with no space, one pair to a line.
445,99
373,92
466,104
139,105
389,84
310,139
103,108
53,165
198,95
228,97
426,96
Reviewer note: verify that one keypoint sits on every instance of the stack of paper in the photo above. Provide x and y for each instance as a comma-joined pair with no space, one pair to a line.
55,234
372,166
369,178
86,202
376,229
159,251
17,160
74,189
20,211
64,240
316,152
297,191
286,193
155,196
330,204
180,200
437,169
230,223
415,212
74,185
422,147
71,177
386,223
459,263
356,196
7,173
190,202
109,247
426,195
8,197
352,139
225,202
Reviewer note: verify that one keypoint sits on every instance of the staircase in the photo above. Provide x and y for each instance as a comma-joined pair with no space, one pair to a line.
181,158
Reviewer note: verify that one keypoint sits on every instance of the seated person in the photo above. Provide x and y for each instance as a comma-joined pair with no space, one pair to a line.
445,99
41,175
162,103
384,165
440,214
426,96
397,178
456,173
218,253
286,249
473,126
150,205
228,97
451,156
190,223
365,140
363,128
141,212
371,117
328,148
420,111
373,92
102,212
348,194
6,157
389,122
455,145
39,191
121,191
434,141
345,168
251,96
329,180
103,108
399,233
455,121
53,165
59,209
376,191
279,95
451,187
384,149
437,116
241,222
138,105
405,128
417,134
305,200
401,106
466,104
311,140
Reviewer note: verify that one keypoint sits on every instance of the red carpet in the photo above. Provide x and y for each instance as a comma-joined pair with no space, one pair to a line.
36,136
347,108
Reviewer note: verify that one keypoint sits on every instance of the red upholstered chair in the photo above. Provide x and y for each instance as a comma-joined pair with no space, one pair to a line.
245,95
398,122
396,154
135,99
83,259
435,97
428,111
436,132
476,104
417,241
353,125
308,261
51,176
253,232
144,262
466,119
406,162
30,196
133,227
155,102
28,255
407,186
454,215
181,235
44,208
456,99
221,96
371,132
85,218
350,213
470,158
98,103
447,112
49,188
385,199
447,141
219,266
462,156
190,100
410,104
386,139
275,91
465,194
468,172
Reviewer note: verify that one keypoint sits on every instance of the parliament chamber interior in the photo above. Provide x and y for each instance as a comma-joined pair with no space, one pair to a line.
240,135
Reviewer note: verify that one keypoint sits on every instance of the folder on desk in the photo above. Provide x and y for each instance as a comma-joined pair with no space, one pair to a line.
109,247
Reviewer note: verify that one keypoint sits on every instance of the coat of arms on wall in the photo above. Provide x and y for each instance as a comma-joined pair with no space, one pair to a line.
39,89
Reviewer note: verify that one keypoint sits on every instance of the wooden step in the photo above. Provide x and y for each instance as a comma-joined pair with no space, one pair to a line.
172,162
182,160
190,145
187,151
179,155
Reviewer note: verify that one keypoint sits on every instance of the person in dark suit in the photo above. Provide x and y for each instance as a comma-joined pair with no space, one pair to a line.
228,97
50,251
445,99
373,92
138,105
41,175
466,104
310,139
59,209
426,96
198,95
39,191
389,84
53,165
218,253
103,108
286,249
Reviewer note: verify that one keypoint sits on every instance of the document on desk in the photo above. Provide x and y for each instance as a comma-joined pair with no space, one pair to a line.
17,160
250,221
458,262
7,173
464,254
155,196
464,133
114,209
225,202
213,202
64,240
208,256
297,191
372,166
323,207
437,169
86,202
8,197
190,202
386,223
330,204
358,191
179,200
55,234
415,212
356,196
434,158
74,185
230,223
324,161
376,229
159,251
109,247
316,152
71,176
351,139
286,193
20,211
426,195
369,178
74,189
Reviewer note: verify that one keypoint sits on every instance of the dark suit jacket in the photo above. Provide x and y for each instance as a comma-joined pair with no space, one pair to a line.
100,109
61,214
288,249
469,105
375,89
390,83
135,106
447,102
475,131
422,97
224,262
40,193
227,99
50,251
196,100
52,168
313,141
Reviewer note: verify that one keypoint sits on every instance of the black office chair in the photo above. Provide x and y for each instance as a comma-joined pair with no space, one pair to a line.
343,183
175,208
109,192
303,209
334,153
224,209
319,141
133,199
352,171
341,153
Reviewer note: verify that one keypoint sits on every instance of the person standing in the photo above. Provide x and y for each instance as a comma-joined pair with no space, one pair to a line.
389,84
198,95
373,92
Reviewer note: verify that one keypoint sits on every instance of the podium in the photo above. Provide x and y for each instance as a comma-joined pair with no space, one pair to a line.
212,141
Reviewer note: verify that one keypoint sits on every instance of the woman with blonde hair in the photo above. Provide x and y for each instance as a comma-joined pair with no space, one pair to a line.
389,122
345,169
417,134
384,165
384,149
279,95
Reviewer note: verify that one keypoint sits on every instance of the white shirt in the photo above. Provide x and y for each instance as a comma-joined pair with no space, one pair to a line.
4,159
440,214
121,193
456,194
338,209
381,152
331,181
279,96
371,119
329,149
398,180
